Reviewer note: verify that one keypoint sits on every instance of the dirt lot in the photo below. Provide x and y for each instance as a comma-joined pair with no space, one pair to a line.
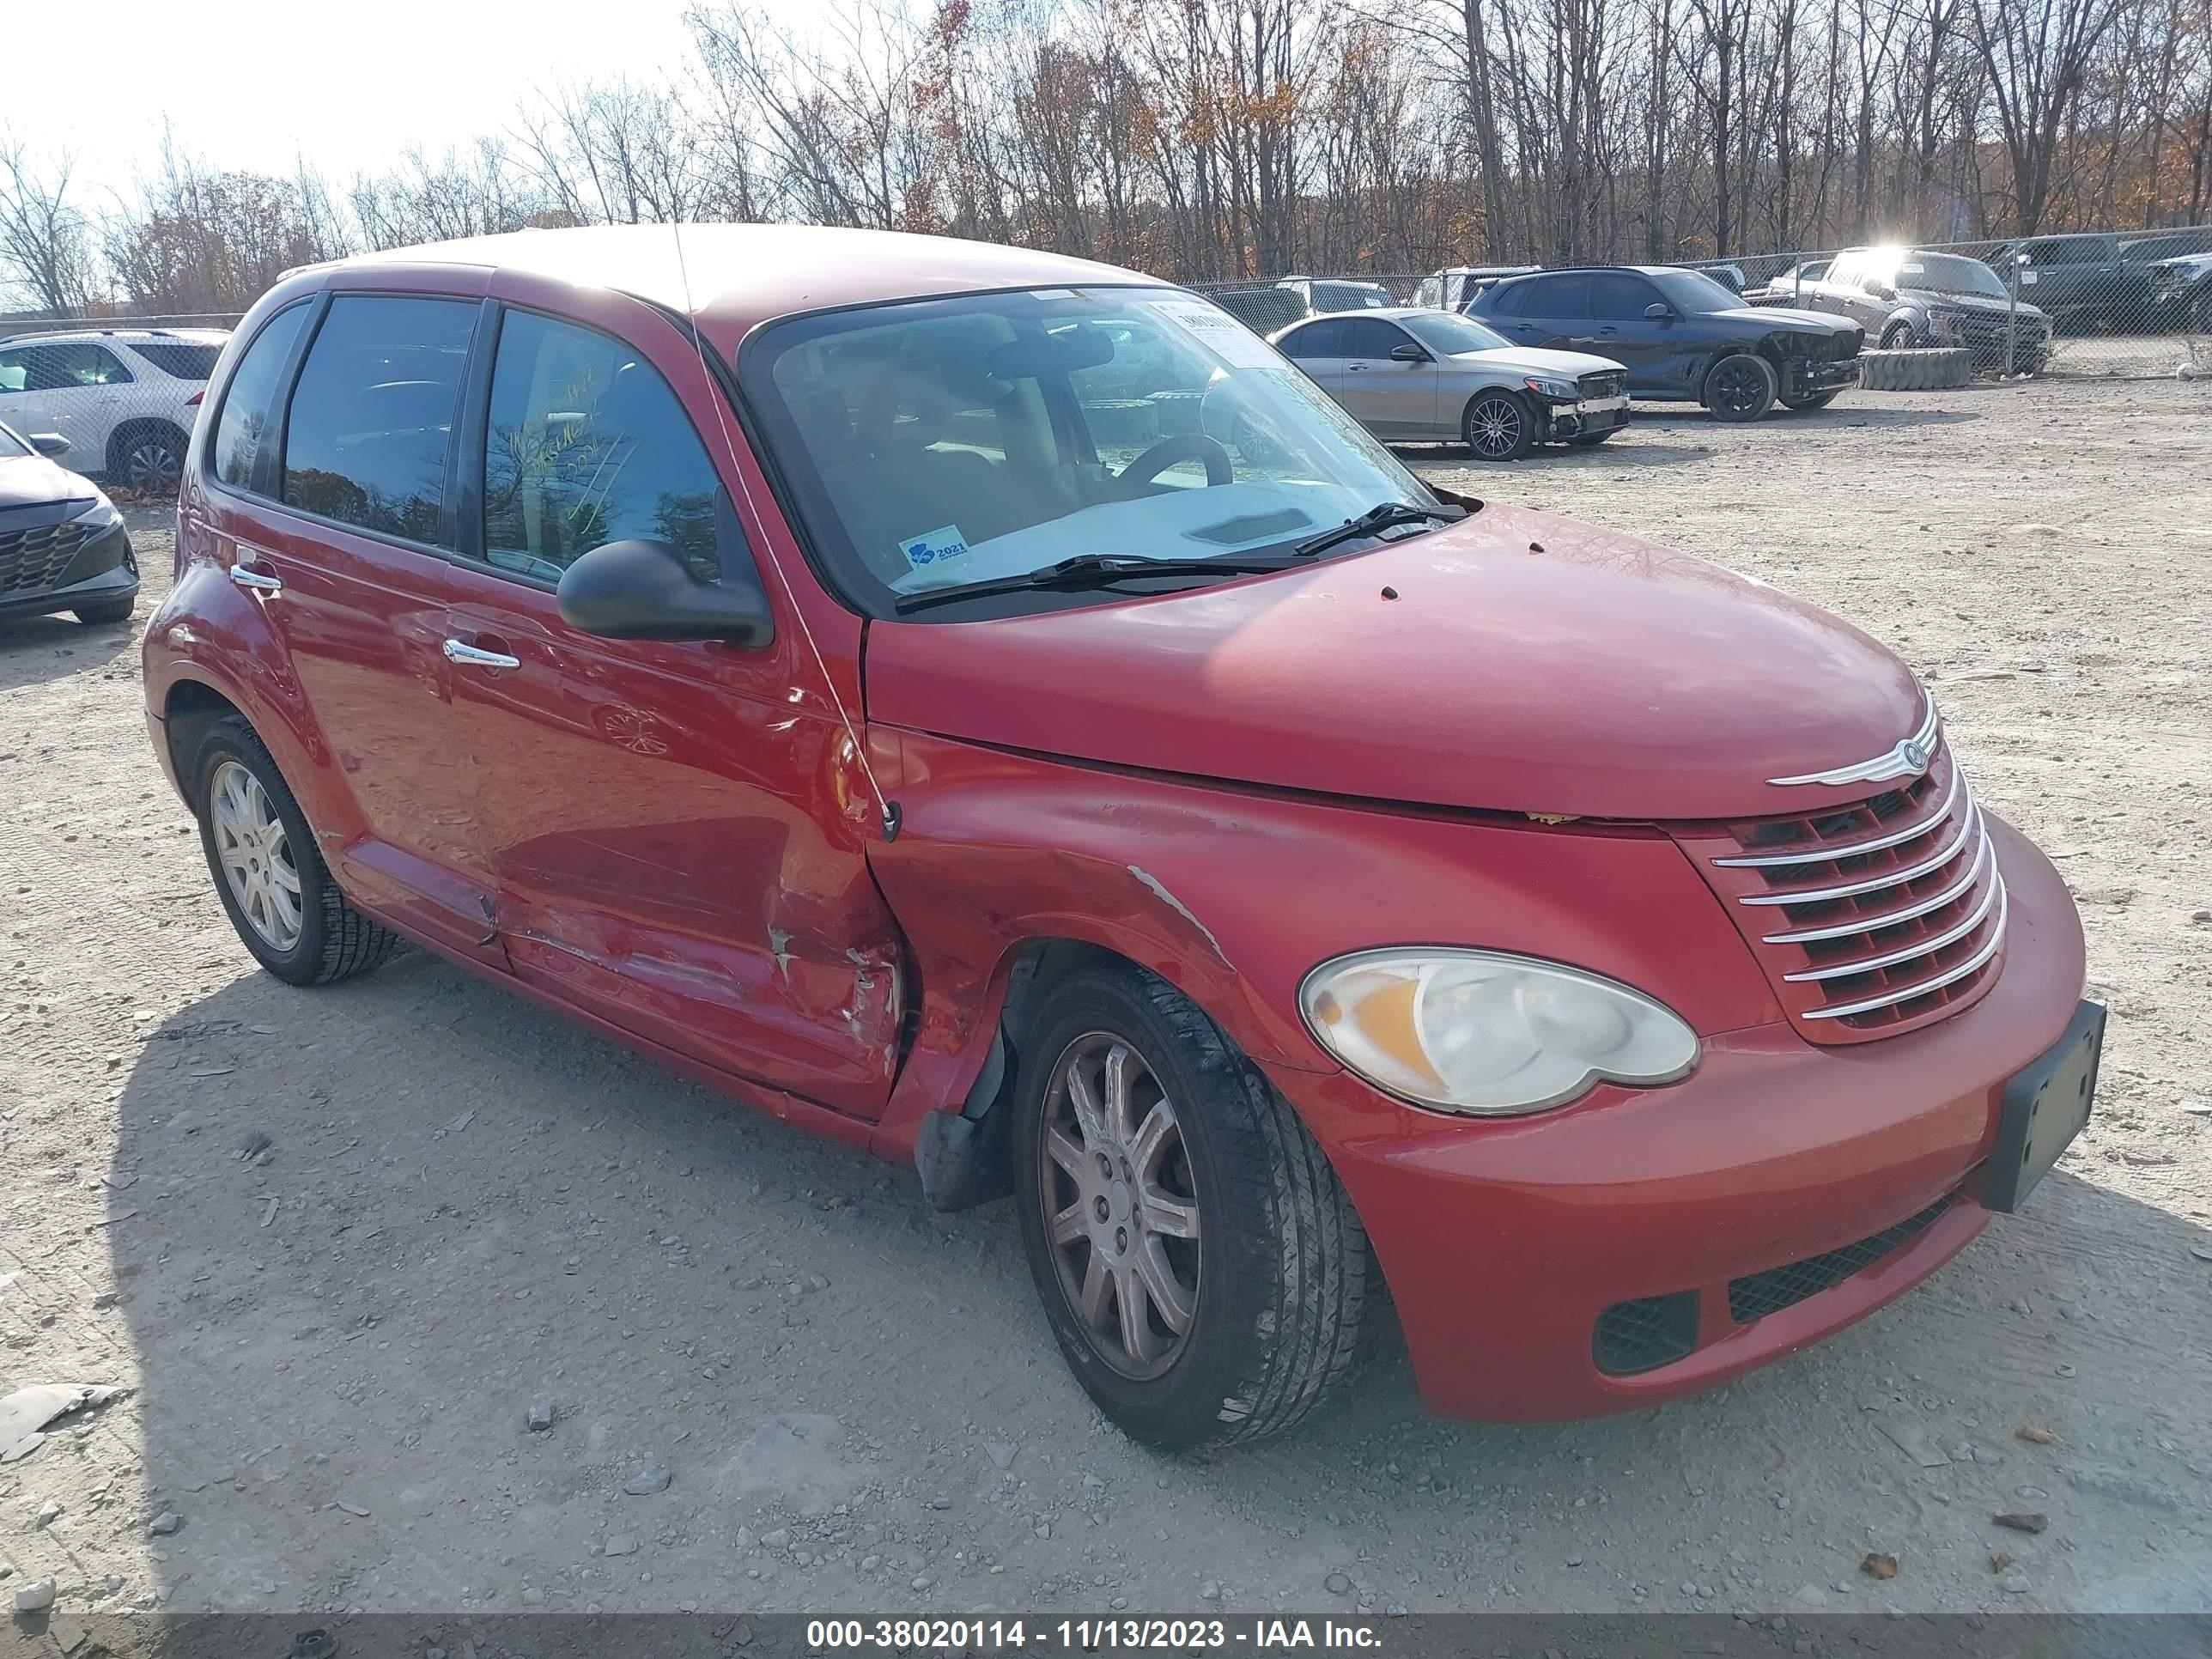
466,1207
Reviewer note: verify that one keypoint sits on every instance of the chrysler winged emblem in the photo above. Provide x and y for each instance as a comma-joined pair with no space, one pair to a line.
1908,757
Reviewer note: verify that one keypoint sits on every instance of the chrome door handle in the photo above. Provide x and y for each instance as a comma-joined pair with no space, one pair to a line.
457,652
255,581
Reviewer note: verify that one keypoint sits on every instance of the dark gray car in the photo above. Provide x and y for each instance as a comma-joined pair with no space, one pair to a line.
1905,297
62,546
1682,336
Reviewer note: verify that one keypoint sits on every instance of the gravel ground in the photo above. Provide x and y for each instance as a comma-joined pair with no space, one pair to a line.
461,1208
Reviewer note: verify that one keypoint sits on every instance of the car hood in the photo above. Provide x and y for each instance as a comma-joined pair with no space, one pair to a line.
1534,360
1515,661
1792,319
35,481
1985,305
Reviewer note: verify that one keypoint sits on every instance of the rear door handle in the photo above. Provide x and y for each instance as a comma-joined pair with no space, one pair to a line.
256,582
457,651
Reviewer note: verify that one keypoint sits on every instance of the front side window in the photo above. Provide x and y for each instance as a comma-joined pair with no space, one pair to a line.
586,444
936,443
373,413
1621,296
66,367
1448,336
249,402
1369,338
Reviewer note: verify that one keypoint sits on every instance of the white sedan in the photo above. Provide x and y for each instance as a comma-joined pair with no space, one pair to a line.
1413,375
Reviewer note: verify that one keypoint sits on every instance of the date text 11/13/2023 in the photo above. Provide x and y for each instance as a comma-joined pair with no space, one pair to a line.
1084,1635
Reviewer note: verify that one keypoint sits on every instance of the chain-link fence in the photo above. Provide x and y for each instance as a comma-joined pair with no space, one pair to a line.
2080,303
115,398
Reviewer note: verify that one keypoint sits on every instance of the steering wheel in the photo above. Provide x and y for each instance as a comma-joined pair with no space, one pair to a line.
1183,447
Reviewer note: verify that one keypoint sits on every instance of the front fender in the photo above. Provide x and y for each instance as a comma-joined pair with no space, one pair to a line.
1234,895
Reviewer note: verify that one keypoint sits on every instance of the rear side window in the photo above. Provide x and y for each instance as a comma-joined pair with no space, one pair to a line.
372,412
247,403
1322,340
586,444
1557,296
180,359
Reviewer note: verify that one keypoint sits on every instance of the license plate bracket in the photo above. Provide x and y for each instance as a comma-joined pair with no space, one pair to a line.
2045,1107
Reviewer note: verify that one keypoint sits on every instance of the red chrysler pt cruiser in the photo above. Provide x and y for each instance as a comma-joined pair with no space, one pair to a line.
990,708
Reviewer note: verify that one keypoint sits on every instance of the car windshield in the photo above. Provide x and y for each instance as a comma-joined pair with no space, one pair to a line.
1694,291
1947,273
1350,296
11,446
1448,334
934,443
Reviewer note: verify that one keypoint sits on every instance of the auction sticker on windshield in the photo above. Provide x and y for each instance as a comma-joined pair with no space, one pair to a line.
1218,332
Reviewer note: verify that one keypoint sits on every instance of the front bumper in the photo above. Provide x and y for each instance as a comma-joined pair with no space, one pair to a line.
1503,1241
103,570
1586,416
1801,377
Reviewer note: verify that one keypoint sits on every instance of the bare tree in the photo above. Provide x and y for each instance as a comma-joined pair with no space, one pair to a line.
46,243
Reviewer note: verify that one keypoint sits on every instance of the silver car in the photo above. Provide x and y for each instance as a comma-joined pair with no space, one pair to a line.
1417,376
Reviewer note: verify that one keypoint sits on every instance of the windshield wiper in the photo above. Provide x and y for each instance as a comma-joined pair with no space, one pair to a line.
1381,516
1085,570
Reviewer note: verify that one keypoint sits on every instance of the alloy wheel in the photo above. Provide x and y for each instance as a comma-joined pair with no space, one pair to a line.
255,852
1737,388
152,464
1494,427
1121,1205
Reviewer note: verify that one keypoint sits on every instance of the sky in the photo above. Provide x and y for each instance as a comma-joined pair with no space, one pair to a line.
263,84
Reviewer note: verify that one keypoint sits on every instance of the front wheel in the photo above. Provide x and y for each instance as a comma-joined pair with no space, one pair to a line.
1201,1267
1897,336
268,872
111,611
1740,387
1497,425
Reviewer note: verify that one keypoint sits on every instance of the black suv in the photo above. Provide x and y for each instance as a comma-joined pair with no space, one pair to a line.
62,546
1682,336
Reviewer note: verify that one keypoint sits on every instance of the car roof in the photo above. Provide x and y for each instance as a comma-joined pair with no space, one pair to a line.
126,335
1384,312
733,276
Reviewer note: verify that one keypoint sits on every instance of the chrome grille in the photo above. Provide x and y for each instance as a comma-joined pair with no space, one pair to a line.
35,558
1869,919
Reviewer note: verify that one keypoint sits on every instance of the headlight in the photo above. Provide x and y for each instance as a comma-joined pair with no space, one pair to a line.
1558,390
1481,1032
100,514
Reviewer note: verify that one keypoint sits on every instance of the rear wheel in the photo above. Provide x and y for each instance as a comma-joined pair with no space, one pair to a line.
1200,1266
268,872
148,456
1497,425
1740,387
1809,400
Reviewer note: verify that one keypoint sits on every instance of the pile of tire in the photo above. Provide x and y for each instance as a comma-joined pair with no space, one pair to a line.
1178,410
1920,368
1121,422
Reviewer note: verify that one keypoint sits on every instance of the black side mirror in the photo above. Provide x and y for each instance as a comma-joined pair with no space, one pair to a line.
1658,311
1880,289
50,443
643,590
1406,352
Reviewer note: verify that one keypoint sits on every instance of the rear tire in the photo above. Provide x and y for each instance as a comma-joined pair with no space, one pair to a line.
148,458
1272,1290
268,870
1498,426
114,611
1816,400
1740,387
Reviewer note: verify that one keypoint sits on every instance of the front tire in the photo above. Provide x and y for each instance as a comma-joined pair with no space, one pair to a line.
1200,1266
1498,426
114,611
268,871
1897,336
1740,387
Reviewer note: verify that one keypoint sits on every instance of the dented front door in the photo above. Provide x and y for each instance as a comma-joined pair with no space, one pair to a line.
678,844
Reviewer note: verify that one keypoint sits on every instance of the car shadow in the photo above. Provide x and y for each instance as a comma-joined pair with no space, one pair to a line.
358,1232
36,649
1836,415
1630,449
